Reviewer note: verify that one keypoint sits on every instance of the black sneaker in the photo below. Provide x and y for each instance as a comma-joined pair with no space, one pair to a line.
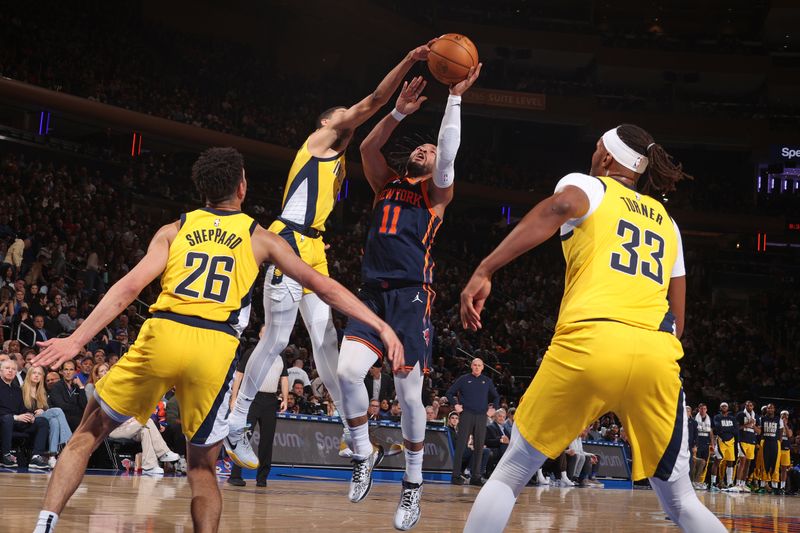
8,461
261,483
456,480
477,482
39,463
236,482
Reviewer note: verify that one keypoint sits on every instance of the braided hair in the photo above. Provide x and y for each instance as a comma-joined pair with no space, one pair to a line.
662,173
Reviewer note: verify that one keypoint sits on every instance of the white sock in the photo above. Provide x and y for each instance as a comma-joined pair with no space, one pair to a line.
729,471
565,478
237,420
713,479
783,484
540,477
763,484
413,466
362,446
493,504
46,522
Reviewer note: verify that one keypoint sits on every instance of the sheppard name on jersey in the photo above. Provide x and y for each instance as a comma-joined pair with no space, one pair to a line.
641,209
401,195
219,236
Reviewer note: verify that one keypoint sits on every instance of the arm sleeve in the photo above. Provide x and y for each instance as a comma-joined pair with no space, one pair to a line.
448,143
591,186
495,395
452,391
678,269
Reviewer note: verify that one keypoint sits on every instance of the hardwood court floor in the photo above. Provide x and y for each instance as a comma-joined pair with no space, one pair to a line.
105,504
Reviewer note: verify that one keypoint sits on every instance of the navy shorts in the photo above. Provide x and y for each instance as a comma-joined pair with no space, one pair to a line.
408,311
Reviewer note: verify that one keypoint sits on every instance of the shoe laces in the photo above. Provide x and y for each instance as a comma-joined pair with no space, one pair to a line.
410,497
360,470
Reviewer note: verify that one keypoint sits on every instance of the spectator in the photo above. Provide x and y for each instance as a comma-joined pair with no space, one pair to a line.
475,393
612,434
173,434
38,326
374,410
34,396
98,371
395,412
385,409
154,449
300,400
452,426
296,373
85,374
581,464
379,385
15,417
496,438
68,394
69,320
52,378
52,326
15,251
510,420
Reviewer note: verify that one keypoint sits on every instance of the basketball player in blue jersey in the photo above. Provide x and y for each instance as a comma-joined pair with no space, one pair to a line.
208,262
311,189
616,344
396,277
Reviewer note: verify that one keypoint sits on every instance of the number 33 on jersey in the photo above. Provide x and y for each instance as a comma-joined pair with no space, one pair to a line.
200,279
626,245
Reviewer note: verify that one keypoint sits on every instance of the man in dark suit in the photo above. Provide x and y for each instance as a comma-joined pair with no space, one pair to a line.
497,438
38,326
68,394
379,385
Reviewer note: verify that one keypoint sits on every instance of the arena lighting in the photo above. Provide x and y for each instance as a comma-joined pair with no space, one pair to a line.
136,144
346,191
506,210
44,122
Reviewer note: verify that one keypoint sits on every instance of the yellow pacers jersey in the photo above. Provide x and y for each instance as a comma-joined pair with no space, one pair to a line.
211,268
619,262
311,188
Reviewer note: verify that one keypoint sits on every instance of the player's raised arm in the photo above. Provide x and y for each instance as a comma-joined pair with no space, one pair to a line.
357,114
449,140
537,226
376,170
120,295
268,247
342,122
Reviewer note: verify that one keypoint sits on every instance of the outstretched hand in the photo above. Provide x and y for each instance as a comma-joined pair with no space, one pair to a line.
473,298
410,100
461,87
420,53
54,352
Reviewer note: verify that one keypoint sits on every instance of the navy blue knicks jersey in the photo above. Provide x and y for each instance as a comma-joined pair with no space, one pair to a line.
401,235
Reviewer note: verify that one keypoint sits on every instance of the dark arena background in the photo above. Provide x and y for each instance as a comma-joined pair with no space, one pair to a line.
104,106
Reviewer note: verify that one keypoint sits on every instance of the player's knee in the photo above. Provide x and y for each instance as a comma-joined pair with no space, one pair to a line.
350,372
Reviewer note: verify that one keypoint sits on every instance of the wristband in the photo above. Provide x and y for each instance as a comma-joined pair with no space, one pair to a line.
397,115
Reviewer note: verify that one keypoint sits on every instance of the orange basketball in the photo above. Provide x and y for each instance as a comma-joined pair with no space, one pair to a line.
451,57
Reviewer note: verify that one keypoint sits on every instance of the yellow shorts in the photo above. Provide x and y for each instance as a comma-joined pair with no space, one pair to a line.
592,368
786,459
758,471
197,361
725,449
310,250
747,450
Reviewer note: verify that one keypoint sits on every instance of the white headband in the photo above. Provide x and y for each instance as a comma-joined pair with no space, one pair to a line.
624,154
785,413
724,403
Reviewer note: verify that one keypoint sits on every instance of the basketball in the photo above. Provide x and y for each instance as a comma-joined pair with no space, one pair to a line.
451,57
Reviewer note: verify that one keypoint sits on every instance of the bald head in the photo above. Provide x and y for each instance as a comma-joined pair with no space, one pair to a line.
477,367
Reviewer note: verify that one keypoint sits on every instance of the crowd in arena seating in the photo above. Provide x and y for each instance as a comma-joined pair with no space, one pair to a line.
138,65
